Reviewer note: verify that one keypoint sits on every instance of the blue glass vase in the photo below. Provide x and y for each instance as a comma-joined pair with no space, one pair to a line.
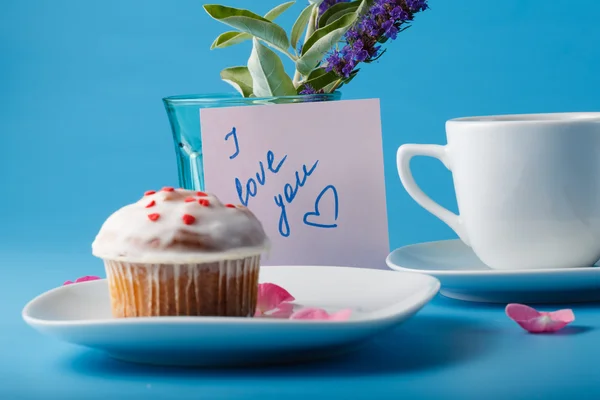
184,116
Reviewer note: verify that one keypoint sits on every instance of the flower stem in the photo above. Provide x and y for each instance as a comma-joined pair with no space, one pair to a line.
335,85
291,56
310,29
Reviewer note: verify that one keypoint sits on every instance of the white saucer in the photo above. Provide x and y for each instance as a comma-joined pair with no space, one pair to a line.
465,277
80,314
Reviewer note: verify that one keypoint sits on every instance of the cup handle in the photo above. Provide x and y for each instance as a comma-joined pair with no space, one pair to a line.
405,153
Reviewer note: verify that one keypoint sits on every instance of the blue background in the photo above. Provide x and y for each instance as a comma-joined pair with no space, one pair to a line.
83,129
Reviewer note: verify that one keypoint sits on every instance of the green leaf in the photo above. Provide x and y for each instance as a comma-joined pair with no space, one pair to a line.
229,39
234,37
329,88
319,79
268,74
300,24
336,11
253,24
239,78
278,10
316,73
321,41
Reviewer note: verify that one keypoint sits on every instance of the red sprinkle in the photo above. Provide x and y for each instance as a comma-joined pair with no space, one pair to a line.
230,205
204,202
153,217
168,189
188,219
151,204
149,192
189,199
201,194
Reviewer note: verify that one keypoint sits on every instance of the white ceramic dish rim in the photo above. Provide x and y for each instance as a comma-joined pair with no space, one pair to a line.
431,286
546,271
551,118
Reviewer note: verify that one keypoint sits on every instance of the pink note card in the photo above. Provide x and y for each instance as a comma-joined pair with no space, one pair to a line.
311,172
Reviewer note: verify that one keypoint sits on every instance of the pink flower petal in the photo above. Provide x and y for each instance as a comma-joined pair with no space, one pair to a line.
82,279
275,302
319,314
87,278
521,312
310,313
271,297
562,315
535,321
342,315
283,311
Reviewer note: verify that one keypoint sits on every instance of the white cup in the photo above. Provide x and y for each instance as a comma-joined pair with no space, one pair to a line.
528,187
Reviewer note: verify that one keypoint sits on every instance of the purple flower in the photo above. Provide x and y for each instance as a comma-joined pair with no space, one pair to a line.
378,9
346,51
347,69
341,62
362,55
333,61
417,5
352,35
355,52
369,26
389,29
398,13
384,20
308,89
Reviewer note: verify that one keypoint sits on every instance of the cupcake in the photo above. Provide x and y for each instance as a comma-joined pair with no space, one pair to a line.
179,252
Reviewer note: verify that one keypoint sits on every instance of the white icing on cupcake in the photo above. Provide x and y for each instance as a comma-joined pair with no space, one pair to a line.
179,226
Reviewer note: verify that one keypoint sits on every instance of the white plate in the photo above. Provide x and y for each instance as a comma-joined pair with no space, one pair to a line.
80,314
465,277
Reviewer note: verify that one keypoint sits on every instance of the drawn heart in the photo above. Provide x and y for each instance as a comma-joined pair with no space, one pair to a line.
314,218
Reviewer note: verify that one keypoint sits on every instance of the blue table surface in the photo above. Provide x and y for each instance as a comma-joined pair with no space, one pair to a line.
449,350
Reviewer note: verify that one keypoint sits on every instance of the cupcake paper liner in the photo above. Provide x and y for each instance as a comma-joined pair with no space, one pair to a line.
225,288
